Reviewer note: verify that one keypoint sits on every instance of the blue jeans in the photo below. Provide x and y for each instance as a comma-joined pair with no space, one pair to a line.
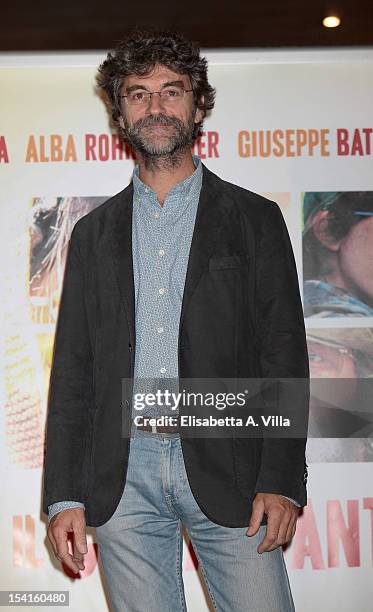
141,544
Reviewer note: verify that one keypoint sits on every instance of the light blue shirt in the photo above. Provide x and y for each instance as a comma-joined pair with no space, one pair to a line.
161,239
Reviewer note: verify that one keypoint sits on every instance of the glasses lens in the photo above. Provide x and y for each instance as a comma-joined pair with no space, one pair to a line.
171,94
138,97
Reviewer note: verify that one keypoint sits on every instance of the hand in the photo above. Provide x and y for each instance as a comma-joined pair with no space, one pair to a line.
281,522
72,519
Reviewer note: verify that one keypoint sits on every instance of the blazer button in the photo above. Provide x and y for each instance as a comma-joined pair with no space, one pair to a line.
130,347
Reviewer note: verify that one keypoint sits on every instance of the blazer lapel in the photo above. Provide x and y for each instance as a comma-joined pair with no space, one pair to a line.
121,244
205,236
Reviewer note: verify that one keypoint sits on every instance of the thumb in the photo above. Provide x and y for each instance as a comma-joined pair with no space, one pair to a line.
256,517
80,539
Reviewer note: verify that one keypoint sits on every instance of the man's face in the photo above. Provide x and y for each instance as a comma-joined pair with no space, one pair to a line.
158,127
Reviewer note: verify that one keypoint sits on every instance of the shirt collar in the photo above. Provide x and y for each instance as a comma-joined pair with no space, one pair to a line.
178,195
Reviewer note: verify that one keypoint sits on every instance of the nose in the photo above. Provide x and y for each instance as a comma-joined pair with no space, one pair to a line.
155,104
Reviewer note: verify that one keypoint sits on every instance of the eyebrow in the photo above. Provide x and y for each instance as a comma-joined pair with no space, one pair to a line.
178,83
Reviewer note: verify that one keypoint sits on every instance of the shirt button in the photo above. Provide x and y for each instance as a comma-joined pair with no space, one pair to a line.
161,252
160,330
161,291
156,215
163,370
146,190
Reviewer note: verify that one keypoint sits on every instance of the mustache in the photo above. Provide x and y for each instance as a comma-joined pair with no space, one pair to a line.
157,120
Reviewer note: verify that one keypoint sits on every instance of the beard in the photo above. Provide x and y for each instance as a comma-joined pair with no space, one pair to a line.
163,147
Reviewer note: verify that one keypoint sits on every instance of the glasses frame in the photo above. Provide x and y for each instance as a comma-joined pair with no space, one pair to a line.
151,93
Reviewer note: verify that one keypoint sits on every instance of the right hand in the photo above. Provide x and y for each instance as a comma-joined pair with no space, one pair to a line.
72,519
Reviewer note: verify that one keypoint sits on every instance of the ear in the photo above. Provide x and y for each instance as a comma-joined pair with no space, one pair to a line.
320,224
199,113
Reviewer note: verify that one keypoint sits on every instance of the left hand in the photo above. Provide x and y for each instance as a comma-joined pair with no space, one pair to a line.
281,522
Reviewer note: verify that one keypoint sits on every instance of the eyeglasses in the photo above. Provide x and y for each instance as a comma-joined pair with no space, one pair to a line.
168,95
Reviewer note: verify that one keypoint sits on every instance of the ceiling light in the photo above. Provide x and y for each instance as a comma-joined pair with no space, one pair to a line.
332,21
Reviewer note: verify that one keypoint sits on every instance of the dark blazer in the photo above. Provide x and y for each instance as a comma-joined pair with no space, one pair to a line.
241,316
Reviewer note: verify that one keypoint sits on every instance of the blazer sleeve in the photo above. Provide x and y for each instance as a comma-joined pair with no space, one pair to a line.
70,389
282,351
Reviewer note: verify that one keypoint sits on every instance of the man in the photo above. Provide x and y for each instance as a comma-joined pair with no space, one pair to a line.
180,275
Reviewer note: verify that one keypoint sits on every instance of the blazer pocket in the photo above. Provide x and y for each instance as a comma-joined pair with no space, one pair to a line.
226,262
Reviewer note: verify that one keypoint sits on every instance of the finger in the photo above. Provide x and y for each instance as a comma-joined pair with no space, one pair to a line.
282,530
273,525
290,514
291,529
80,536
68,560
78,545
52,539
78,557
256,517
